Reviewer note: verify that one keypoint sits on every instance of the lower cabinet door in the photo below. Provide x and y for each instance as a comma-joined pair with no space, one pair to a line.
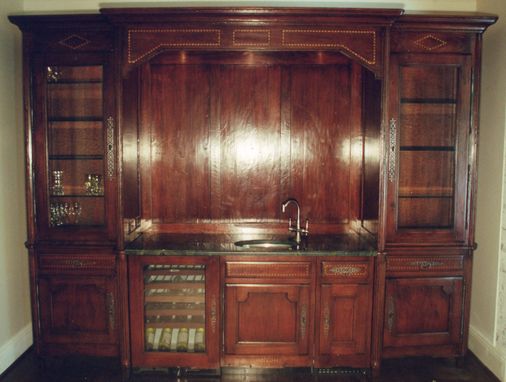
345,324
79,311
267,319
423,312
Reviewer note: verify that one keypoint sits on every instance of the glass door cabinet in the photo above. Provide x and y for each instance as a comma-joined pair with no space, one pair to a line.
428,149
75,124
174,304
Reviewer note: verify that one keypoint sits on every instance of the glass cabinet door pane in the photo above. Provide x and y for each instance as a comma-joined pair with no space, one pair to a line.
174,308
427,121
75,135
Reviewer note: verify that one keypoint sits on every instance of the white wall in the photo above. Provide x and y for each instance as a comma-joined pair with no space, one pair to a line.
72,5
15,318
488,306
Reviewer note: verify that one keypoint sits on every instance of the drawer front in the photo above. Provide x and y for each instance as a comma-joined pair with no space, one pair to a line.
270,270
428,264
433,42
104,264
345,271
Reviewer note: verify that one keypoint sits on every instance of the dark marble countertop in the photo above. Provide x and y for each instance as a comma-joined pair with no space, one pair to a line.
156,243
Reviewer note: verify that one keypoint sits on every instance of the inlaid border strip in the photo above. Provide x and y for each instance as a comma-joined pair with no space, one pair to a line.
267,31
370,61
188,44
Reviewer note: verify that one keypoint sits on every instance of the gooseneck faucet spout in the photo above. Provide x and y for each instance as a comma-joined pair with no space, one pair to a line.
297,229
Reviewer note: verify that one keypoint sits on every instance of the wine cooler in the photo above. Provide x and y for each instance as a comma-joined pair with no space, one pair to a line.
177,307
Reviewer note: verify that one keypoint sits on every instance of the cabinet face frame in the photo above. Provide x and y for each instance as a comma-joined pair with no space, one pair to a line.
40,132
458,232
141,357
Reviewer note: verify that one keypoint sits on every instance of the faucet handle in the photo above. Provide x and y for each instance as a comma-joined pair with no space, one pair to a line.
305,230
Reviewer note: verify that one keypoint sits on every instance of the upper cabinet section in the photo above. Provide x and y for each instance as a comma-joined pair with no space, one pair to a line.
358,34
74,123
71,128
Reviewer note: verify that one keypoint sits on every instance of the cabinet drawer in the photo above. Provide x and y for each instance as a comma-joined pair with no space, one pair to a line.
429,264
103,264
267,270
345,271
433,42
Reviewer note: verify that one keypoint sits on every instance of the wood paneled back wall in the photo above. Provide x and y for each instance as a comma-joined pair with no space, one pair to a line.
231,138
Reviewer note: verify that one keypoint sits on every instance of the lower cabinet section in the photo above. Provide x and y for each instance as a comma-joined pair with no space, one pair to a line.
423,312
78,305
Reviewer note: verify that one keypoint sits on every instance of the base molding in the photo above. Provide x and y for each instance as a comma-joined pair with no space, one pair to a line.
487,353
15,347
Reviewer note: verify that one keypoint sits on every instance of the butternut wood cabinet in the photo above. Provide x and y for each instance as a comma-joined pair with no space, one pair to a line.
78,304
268,310
345,312
184,122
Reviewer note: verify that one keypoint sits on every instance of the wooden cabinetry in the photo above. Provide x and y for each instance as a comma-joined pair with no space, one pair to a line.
368,117
345,312
423,312
175,308
428,170
268,309
425,304
77,300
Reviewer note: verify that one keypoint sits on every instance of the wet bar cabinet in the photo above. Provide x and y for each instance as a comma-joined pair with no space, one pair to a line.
161,141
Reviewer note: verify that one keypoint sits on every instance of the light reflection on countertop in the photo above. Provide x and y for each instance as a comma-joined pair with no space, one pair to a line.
158,243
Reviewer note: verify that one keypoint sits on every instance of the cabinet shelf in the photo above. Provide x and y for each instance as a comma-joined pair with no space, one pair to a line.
76,157
176,298
75,196
74,82
448,101
76,119
427,148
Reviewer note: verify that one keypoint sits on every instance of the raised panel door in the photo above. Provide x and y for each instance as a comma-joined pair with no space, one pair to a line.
345,324
78,311
267,319
423,312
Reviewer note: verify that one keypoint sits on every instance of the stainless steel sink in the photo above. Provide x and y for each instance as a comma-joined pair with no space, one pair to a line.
266,243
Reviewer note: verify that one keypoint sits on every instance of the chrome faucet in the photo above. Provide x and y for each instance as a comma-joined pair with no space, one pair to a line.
297,228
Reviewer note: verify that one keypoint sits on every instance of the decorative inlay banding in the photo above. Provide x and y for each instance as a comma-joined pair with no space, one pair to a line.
345,270
276,270
324,38
74,42
251,37
430,42
425,264
144,42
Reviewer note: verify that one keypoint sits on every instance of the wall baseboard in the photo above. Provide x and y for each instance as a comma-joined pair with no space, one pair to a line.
15,347
487,353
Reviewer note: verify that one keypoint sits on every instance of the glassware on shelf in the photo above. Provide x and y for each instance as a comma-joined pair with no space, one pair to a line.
63,213
93,184
57,185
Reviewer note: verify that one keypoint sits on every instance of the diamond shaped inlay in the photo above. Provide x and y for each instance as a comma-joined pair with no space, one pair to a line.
430,42
74,42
